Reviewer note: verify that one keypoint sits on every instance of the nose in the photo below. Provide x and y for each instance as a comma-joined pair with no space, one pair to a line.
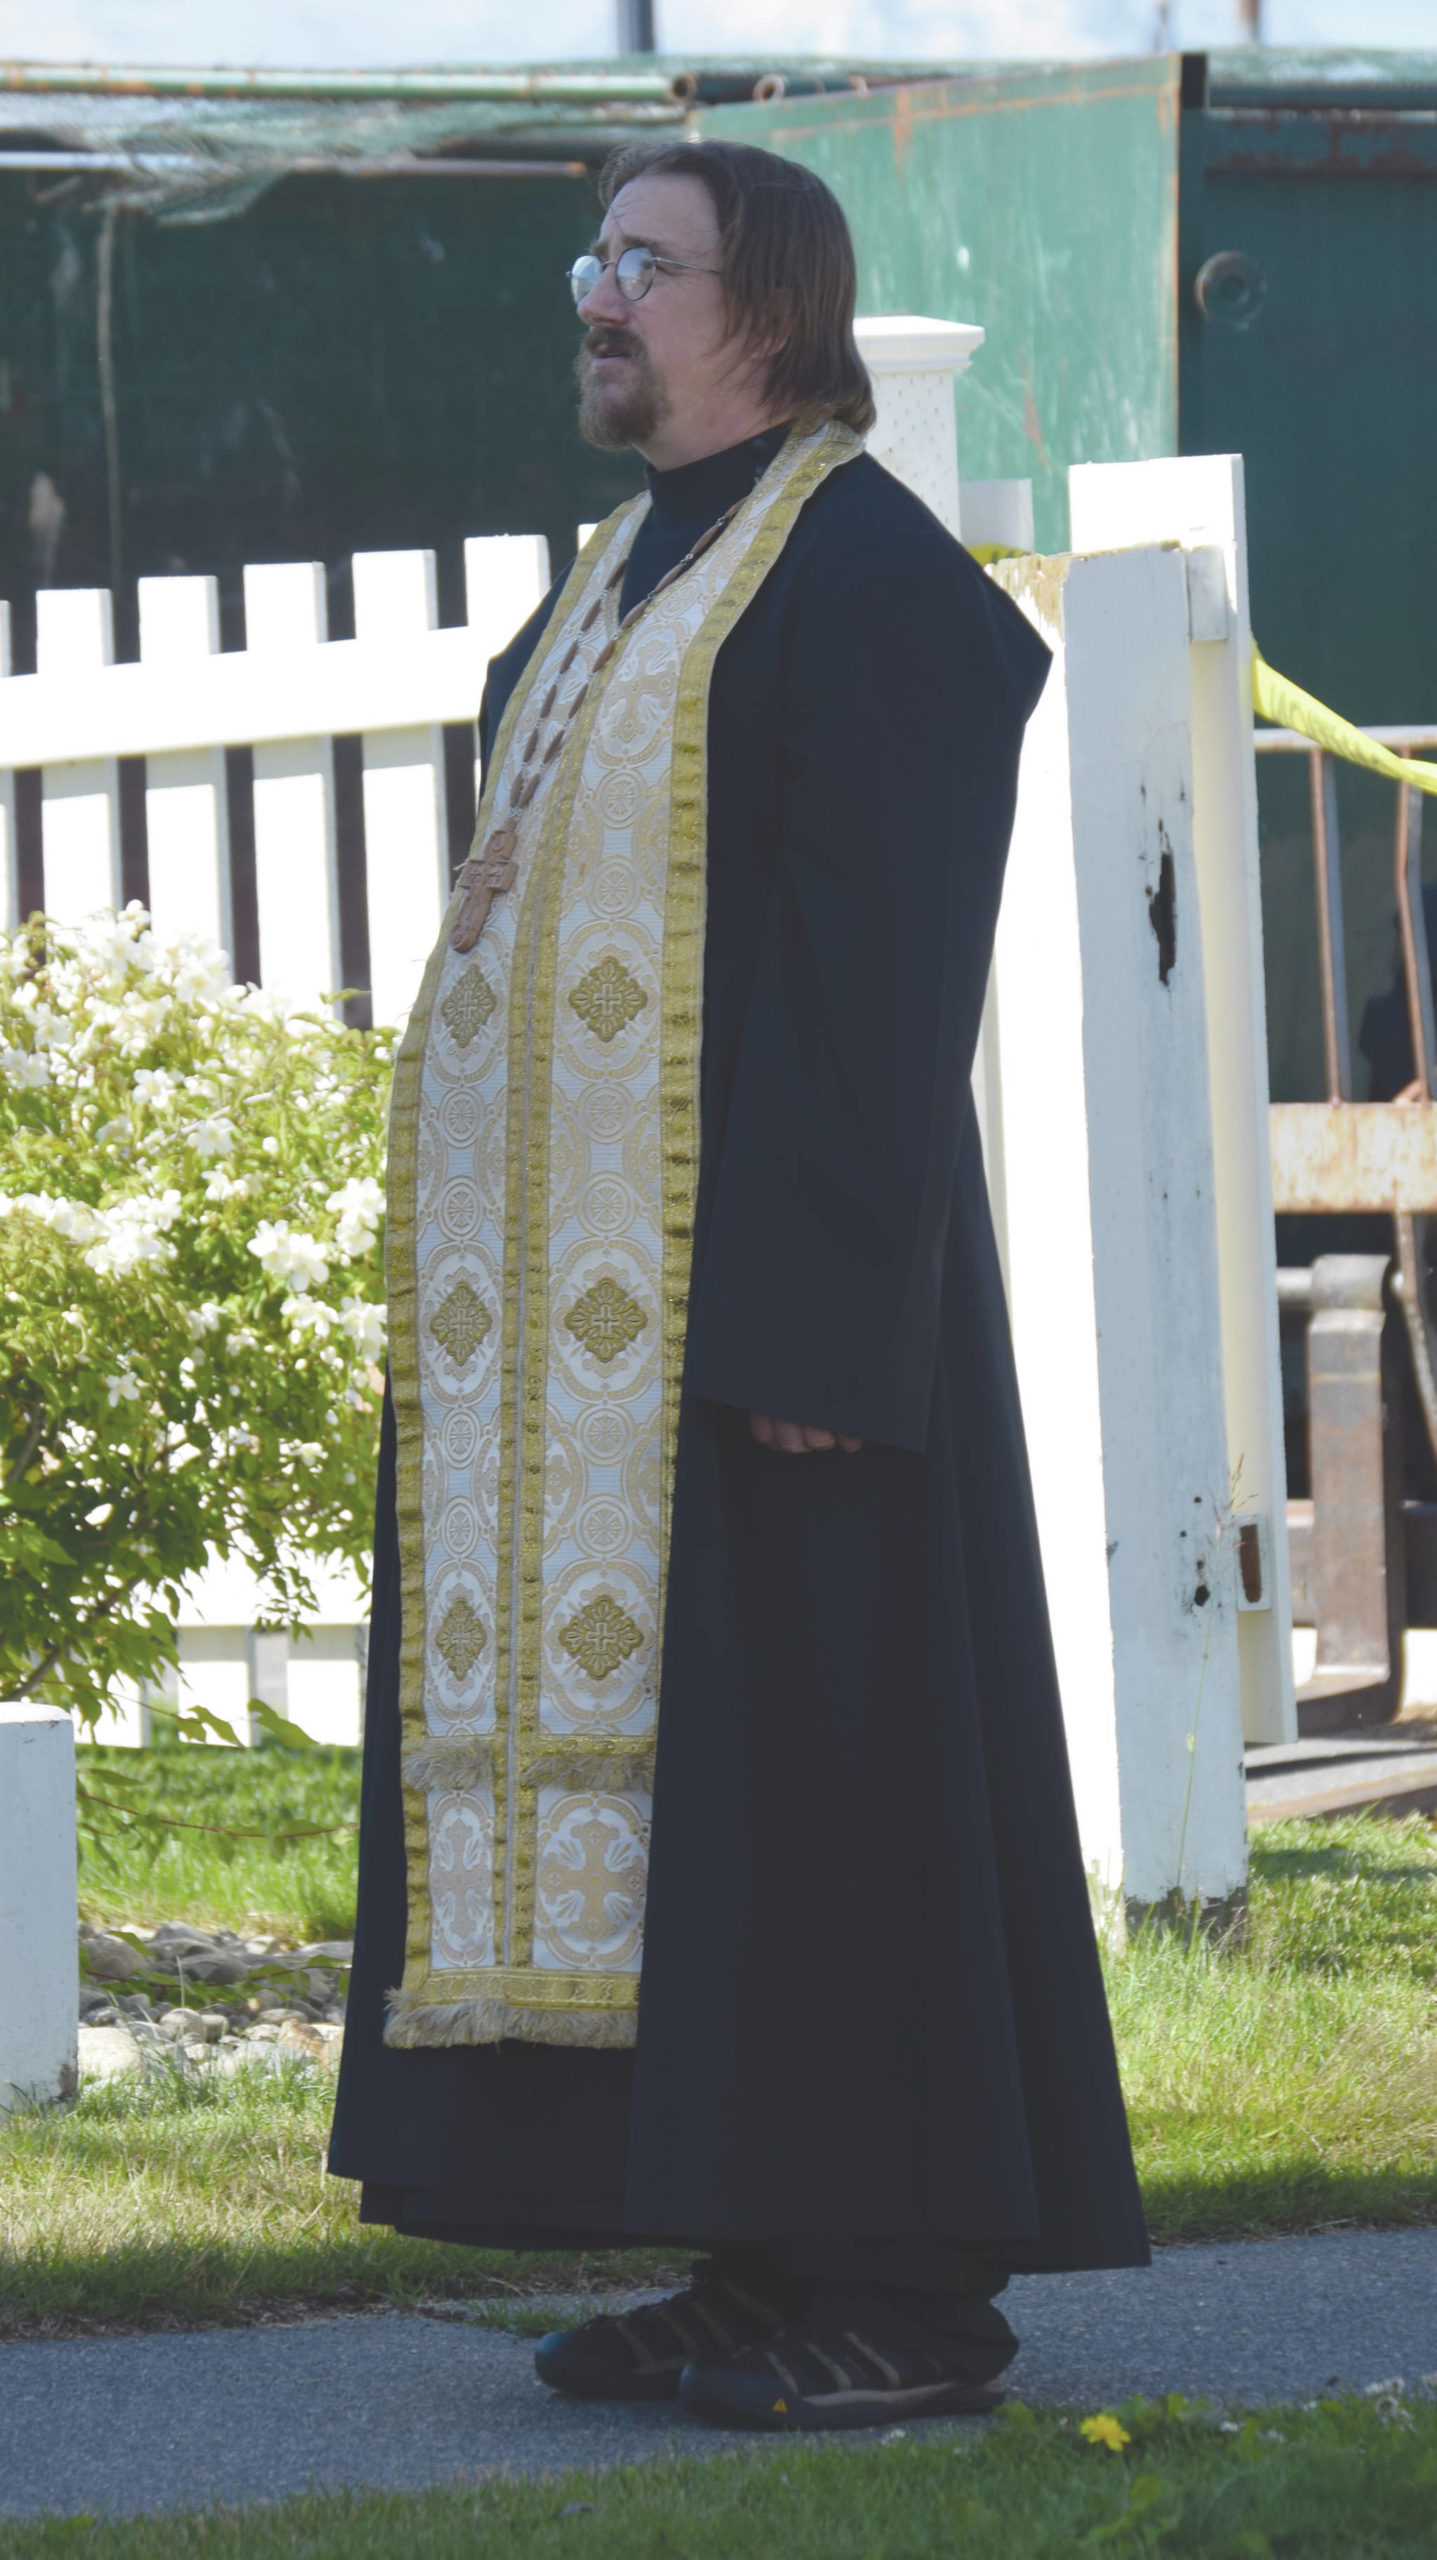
603,301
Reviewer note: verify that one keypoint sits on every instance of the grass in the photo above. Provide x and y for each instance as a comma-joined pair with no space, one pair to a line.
1283,2086
1293,2082
1346,2481
205,1869
175,2200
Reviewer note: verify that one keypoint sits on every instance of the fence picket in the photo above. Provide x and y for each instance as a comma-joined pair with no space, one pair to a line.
81,800
296,861
505,575
406,835
186,805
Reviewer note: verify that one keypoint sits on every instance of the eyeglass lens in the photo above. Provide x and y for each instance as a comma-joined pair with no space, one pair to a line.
634,272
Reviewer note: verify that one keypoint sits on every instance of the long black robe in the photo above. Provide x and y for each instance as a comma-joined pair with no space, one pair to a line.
871,2008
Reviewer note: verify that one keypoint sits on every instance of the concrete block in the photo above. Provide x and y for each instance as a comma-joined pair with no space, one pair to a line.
39,1965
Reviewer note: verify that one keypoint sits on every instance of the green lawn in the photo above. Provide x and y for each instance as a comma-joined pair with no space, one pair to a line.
1293,2082
1347,2481
1276,2087
222,1862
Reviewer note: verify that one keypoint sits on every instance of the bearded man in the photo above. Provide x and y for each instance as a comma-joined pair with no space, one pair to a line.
709,1625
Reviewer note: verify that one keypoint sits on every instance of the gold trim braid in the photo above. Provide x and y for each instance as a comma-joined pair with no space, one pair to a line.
544,1161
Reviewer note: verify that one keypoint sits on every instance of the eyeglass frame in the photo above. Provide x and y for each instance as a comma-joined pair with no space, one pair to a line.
636,249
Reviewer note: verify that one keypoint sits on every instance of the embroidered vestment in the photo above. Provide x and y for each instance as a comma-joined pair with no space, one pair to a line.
543,1169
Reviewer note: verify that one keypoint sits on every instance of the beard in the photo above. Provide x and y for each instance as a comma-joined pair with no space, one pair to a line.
615,412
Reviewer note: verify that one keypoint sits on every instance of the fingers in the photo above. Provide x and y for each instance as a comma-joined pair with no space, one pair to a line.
797,1439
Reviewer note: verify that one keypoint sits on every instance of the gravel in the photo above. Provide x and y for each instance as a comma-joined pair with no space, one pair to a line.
267,2002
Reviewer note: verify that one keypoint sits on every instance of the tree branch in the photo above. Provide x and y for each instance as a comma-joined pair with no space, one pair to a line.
32,1440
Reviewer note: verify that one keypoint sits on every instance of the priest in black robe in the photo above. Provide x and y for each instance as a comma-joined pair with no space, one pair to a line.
873,2072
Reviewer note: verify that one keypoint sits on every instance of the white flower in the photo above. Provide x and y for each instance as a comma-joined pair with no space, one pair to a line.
74,1219
358,1207
296,1259
212,1137
364,1324
113,1133
27,1068
226,1186
199,970
132,1232
153,1087
308,1316
203,1320
241,1340
123,1388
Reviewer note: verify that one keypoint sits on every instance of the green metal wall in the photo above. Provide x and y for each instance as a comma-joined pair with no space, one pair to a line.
344,366
1042,204
1070,212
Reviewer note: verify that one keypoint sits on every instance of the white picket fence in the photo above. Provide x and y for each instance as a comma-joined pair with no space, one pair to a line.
287,696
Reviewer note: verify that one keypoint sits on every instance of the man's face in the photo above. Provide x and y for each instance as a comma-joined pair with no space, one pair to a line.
651,372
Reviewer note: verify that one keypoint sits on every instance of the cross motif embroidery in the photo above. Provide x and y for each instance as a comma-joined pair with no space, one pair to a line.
607,998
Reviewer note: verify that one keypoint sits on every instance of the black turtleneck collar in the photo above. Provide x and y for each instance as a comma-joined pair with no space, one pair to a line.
708,486
685,502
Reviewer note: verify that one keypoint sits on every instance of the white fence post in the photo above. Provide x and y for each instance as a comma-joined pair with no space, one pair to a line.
296,863
913,362
1108,1180
81,800
39,1964
186,802
1198,501
406,832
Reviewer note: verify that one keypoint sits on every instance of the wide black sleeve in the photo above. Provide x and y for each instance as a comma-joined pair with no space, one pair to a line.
908,678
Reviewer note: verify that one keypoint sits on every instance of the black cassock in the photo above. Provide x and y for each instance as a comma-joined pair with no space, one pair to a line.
871,2006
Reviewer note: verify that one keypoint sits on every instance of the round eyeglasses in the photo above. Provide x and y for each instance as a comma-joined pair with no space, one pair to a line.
634,272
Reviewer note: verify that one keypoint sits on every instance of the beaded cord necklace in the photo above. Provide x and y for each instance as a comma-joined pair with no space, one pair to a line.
492,870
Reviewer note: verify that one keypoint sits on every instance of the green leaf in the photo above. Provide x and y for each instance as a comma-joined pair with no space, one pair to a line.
279,1728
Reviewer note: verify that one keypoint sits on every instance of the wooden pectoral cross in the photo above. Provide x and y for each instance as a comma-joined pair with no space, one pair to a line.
483,877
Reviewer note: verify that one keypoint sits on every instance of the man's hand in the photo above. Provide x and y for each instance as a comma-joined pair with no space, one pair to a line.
796,1439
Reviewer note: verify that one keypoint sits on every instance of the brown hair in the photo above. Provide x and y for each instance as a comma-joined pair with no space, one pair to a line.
788,268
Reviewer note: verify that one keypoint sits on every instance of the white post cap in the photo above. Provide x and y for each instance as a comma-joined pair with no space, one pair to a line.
905,342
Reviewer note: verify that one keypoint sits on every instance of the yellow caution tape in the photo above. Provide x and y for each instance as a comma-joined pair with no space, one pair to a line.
1288,707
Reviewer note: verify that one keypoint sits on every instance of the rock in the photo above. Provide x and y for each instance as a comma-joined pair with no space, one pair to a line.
108,2053
212,2024
107,1959
264,2031
93,2000
338,1951
136,2004
243,2057
298,2036
194,1956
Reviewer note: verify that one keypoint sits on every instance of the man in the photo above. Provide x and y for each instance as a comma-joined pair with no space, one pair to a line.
712,1630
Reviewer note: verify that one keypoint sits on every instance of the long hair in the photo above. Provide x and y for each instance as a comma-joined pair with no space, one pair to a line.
788,269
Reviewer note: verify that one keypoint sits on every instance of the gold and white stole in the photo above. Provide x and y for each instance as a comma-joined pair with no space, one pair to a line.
543,1167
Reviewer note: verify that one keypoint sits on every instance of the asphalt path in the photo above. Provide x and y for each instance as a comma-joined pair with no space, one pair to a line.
128,2426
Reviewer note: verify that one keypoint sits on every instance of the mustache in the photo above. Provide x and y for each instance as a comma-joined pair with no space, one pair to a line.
605,339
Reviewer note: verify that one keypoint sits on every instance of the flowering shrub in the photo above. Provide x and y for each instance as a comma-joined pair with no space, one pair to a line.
191,1295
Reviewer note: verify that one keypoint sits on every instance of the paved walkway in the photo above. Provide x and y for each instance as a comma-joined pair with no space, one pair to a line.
130,2425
